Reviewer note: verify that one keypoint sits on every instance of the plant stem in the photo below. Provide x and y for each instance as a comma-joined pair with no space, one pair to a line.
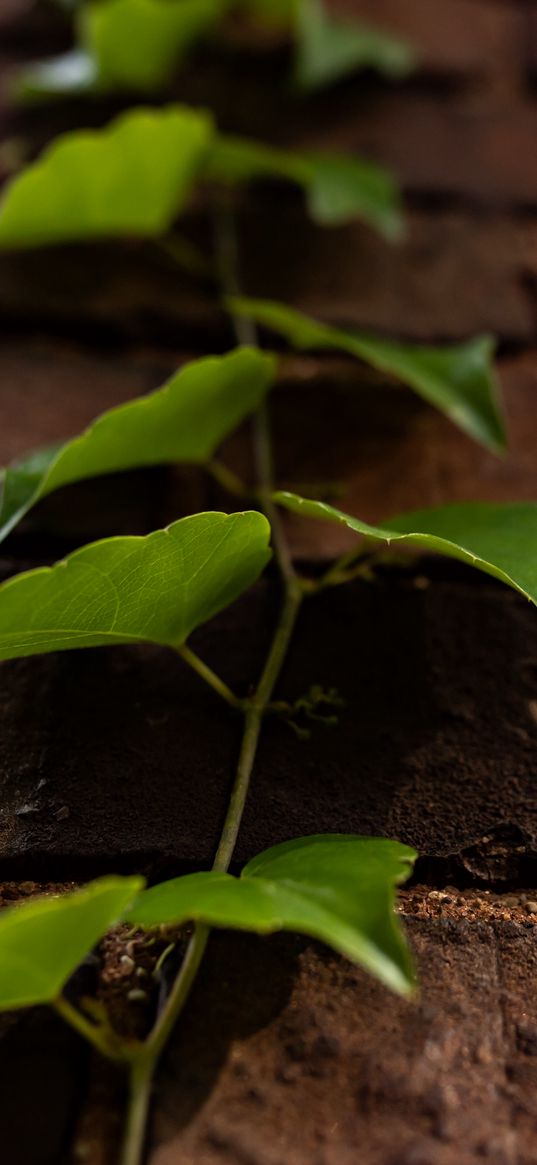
246,333
227,479
253,722
262,450
228,264
254,710
96,1036
144,1066
185,255
209,676
140,1080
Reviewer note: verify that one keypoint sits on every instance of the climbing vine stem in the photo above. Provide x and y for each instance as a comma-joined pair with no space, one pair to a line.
254,710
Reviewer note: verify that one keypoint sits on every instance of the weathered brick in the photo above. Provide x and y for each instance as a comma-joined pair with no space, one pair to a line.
454,275
464,37
468,147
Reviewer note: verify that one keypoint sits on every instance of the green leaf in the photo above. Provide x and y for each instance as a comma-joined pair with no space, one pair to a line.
138,44
135,176
338,189
458,380
131,178
184,421
156,589
42,942
500,540
334,887
329,48
134,45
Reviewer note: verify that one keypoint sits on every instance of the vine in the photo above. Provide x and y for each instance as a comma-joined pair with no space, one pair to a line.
137,177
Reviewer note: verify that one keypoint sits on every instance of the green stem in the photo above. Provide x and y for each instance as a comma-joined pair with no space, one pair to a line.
227,479
228,265
253,723
185,255
263,454
100,1039
209,676
254,710
246,333
140,1082
144,1066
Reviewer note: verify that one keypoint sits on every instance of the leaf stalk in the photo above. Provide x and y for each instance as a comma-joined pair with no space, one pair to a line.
209,677
101,1038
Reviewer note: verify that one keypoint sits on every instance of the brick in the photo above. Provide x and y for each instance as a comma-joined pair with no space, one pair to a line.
419,1082
469,38
473,149
388,451
456,274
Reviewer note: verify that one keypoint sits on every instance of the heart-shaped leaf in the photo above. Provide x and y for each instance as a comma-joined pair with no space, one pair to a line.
458,380
500,540
184,421
42,942
131,178
126,590
135,176
338,189
334,887
330,47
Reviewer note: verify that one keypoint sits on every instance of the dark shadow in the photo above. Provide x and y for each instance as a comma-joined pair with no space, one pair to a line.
244,984
43,1072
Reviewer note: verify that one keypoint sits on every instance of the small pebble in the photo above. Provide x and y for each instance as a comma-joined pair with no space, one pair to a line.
63,813
137,995
127,963
531,907
511,900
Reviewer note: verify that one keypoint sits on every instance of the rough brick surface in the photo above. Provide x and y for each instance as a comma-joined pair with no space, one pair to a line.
449,1080
286,1055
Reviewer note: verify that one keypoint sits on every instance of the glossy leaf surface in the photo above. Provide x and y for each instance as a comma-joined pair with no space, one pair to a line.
131,178
43,942
500,540
338,189
457,379
335,887
331,47
184,421
155,589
